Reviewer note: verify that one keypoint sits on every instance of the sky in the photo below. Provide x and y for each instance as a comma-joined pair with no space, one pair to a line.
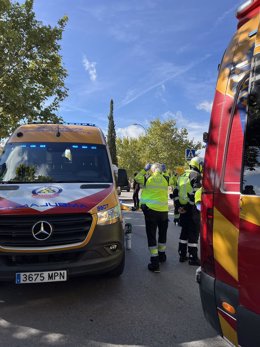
154,58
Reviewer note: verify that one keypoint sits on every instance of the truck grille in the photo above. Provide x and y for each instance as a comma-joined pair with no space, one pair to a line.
16,231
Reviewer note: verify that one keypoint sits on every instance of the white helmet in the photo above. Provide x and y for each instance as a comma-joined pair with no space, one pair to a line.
156,167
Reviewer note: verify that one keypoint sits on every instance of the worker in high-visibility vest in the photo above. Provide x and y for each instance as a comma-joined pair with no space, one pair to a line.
154,204
184,196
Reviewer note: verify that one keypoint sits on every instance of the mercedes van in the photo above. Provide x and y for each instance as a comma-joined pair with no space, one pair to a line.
59,211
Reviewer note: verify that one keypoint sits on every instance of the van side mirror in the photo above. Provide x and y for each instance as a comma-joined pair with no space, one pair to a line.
206,137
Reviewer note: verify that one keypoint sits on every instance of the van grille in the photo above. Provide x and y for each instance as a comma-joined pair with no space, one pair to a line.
16,231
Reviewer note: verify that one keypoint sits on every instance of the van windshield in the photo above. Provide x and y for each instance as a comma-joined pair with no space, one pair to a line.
251,170
54,162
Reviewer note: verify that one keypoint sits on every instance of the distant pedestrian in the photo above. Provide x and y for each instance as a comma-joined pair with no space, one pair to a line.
136,188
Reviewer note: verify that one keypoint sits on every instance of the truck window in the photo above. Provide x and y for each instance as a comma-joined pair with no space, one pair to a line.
234,144
251,167
54,162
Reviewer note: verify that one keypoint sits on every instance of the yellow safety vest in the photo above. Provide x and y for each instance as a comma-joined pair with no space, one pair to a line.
154,191
198,196
184,188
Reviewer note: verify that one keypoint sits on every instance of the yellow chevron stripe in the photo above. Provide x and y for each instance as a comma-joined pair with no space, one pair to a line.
225,244
227,330
249,209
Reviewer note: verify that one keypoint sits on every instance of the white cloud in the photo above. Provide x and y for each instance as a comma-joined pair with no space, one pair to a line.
195,129
205,106
132,131
90,67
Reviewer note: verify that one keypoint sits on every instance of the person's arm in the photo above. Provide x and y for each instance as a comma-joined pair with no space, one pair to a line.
177,205
140,177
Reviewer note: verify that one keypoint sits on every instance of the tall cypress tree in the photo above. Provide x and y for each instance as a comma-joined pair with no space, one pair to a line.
111,134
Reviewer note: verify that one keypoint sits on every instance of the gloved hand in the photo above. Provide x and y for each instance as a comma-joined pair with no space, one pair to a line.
163,166
147,167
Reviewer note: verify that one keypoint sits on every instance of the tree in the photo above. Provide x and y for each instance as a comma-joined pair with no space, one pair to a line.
31,72
163,143
129,154
111,134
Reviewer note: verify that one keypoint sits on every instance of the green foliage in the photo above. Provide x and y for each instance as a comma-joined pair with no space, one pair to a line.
111,134
163,143
31,72
129,155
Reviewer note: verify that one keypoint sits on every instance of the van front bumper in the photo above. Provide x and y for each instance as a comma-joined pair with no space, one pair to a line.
104,252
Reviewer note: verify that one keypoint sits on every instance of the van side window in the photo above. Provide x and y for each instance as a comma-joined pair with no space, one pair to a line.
234,147
251,167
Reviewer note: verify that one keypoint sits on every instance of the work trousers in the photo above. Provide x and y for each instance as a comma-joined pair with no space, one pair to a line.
136,199
189,235
154,220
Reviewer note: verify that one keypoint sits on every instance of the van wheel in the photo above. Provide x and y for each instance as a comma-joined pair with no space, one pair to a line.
118,270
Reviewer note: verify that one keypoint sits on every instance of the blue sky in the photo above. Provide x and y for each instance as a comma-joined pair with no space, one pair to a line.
154,58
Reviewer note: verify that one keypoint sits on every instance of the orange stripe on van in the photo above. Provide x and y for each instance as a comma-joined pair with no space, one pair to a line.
225,244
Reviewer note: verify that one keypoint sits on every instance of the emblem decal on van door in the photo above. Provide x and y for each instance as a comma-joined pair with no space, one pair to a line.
42,230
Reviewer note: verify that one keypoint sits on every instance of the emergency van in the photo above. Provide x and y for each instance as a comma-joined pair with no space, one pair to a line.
230,229
59,211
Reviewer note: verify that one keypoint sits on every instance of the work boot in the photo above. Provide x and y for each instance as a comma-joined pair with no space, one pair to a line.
162,257
194,261
154,265
183,258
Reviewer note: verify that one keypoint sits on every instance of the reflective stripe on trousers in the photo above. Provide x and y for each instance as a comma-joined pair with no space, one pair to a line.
153,251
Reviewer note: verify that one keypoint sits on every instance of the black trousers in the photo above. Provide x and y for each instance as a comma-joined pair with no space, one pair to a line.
136,199
189,235
154,220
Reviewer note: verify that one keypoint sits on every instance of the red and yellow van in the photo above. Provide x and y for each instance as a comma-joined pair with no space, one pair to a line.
230,236
59,211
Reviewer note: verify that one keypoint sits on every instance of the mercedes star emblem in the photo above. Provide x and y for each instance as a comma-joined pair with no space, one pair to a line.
42,230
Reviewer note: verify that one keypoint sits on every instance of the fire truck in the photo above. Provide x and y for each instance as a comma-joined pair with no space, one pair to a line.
230,215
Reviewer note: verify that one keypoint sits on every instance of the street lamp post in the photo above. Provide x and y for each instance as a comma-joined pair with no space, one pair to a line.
140,125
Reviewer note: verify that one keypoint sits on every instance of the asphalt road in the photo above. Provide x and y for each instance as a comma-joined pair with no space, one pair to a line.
138,309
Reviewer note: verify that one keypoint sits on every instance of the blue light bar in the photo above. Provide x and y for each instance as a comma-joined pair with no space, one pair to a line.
75,146
84,124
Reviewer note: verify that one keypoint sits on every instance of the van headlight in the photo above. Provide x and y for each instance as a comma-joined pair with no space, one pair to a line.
110,216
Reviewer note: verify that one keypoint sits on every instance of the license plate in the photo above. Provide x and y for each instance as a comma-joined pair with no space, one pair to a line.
41,277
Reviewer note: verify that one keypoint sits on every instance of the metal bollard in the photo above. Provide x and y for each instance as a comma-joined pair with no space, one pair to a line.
128,235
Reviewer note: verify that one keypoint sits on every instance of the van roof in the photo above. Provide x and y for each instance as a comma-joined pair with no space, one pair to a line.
47,132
